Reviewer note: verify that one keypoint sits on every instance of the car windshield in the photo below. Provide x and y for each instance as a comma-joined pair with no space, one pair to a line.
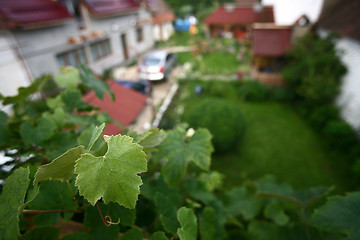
151,61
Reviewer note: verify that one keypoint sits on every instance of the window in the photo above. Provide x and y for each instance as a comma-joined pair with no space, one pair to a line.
100,49
72,58
139,34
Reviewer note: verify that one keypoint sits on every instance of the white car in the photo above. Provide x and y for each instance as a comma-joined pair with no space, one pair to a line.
156,65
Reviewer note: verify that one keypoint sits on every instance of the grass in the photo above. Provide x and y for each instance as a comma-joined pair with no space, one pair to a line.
277,141
218,63
280,143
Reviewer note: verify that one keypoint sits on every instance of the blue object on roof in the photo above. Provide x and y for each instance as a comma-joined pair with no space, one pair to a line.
182,25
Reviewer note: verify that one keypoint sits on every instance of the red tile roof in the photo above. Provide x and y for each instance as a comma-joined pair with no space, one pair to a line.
240,15
271,40
32,13
100,8
160,10
125,109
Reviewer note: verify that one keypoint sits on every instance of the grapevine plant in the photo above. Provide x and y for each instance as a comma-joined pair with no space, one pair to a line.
157,185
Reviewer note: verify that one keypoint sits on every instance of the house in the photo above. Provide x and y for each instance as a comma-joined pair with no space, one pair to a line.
236,19
270,43
125,109
162,19
342,18
44,35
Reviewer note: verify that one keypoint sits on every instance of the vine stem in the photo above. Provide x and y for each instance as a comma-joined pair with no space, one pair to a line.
173,237
107,219
48,211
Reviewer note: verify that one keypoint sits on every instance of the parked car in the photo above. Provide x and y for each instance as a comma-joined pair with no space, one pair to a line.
156,65
143,87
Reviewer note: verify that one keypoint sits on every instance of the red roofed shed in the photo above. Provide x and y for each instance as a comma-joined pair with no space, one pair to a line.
32,14
271,40
270,43
237,19
125,109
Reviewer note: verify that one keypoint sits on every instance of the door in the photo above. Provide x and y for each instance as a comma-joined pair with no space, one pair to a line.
124,46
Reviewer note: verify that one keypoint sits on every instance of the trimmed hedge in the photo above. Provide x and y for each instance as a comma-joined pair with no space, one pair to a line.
223,119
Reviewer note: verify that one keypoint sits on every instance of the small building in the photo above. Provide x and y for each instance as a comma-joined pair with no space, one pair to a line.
162,19
45,34
270,43
236,19
342,18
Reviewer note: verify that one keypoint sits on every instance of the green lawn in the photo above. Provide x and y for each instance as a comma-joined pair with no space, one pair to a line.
277,142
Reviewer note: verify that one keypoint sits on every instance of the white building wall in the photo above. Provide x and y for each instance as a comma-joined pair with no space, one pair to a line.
349,98
40,47
166,29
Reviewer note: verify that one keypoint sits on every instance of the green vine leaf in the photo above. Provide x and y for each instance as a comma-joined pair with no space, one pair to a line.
11,203
4,132
133,234
41,233
113,176
90,80
201,148
38,134
179,150
167,211
151,138
62,168
159,236
340,214
275,212
187,219
95,135
69,78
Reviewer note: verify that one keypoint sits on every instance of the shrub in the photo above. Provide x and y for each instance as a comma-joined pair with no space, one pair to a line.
254,91
282,94
223,119
322,114
341,135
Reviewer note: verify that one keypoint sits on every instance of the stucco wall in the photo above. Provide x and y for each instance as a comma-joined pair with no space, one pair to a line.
349,98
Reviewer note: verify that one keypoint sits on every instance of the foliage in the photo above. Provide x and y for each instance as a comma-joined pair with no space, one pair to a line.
223,119
46,124
254,91
314,70
155,185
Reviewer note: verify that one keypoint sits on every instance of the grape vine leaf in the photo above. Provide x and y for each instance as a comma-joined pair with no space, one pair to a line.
25,92
201,148
151,138
179,151
78,236
38,134
167,211
275,212
11,203
207,223
62,168
41,233
54,195
187,219
4,132
95,135
69,78
90,80
59,143
241,202
159,236
72,99
340,214
94,222
113,176
133,234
